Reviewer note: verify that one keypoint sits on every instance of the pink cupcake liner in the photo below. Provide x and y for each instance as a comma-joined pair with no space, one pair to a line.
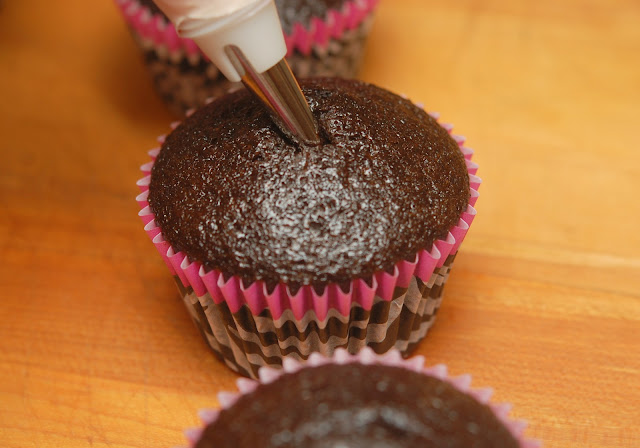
155,30
367,357
245,342
256,296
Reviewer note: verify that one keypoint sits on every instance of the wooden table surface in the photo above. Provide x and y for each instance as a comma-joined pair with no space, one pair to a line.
543,304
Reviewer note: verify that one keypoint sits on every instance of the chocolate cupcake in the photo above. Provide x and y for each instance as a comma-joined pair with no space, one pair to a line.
324,38
359,401
281,249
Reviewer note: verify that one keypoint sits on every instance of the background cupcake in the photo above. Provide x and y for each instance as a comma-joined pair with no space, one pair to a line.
284,250
324,38
359,401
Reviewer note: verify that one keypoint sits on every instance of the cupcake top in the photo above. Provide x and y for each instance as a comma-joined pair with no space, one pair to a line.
232,192
290,11
355,405
302,11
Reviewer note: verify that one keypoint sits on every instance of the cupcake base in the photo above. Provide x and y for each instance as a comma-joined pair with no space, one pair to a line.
246,342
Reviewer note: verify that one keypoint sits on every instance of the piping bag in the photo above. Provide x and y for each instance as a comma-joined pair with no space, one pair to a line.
244,39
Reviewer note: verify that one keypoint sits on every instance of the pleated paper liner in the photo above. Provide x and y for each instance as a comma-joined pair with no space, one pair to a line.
249,327
366,356
185,78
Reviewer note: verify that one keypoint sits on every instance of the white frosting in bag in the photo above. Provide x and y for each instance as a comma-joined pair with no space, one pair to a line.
180,10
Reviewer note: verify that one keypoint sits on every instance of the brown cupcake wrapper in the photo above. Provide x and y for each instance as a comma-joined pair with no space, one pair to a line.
184,86
246,342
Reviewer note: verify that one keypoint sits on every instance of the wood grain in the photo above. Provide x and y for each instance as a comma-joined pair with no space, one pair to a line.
543,303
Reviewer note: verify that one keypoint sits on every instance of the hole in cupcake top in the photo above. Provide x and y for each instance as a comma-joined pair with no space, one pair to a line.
232,193
355,406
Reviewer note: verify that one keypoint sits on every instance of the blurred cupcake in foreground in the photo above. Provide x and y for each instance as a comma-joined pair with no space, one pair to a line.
323,37
359,401
281,250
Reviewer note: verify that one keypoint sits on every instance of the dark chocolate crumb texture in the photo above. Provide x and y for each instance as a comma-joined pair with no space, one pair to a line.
302,11
232,192
357,406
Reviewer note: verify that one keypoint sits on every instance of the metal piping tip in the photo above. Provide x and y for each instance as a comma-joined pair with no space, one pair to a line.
278,89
